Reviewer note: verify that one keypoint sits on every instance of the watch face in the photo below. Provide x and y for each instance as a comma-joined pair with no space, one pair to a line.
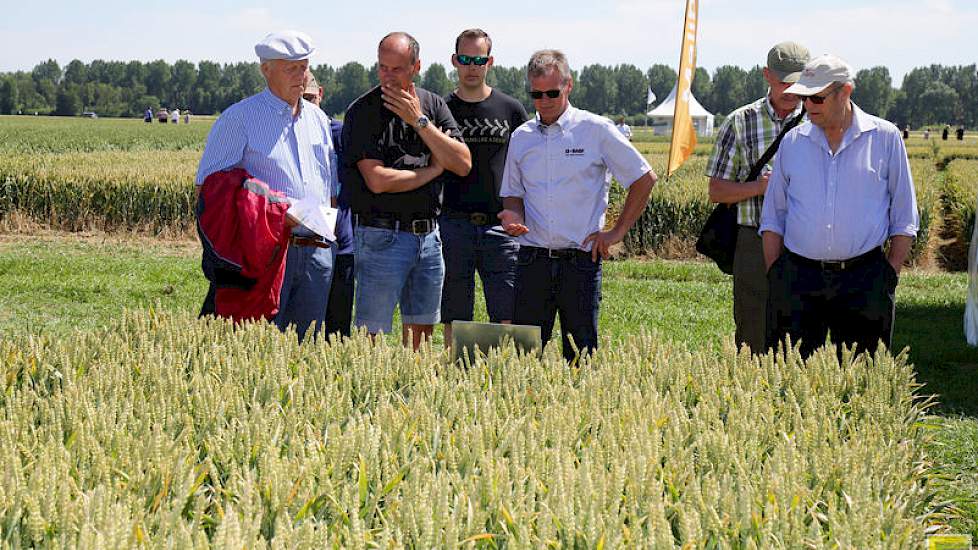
422,121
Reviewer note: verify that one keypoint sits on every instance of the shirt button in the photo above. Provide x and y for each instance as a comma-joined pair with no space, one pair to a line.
829,226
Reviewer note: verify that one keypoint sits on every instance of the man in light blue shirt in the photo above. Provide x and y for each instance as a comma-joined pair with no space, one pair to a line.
841,188
284,141
555,193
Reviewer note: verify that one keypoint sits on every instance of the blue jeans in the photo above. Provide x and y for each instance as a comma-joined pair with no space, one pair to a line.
467,248
397,267
568,286
305,288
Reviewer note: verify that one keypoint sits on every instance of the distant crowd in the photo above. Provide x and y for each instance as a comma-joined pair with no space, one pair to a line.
162,115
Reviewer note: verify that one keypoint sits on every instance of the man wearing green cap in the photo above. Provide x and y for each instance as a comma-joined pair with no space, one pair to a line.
741,141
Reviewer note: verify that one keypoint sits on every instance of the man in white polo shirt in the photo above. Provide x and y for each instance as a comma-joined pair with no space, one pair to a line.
555,193
841,188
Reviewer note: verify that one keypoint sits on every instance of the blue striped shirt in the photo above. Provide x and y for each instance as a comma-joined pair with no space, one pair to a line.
836,206
293,155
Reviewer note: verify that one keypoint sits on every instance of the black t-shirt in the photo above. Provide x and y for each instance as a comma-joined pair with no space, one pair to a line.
371,131
486,126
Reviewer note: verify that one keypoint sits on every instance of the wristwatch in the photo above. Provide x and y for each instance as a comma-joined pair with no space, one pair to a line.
422,122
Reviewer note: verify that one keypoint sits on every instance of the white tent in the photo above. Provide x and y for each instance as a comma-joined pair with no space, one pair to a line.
661,116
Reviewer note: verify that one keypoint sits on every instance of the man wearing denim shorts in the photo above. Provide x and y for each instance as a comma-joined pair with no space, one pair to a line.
397,142
486,117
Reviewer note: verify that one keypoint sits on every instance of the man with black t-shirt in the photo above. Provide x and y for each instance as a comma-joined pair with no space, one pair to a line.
486,118
397,142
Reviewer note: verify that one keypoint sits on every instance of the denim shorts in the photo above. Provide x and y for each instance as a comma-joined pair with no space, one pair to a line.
469,248
397,267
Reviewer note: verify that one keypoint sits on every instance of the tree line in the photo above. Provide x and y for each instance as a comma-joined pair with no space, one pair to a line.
931,95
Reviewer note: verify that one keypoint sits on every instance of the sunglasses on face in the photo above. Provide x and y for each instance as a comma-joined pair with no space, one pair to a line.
309,97
471,59
820,99
538,94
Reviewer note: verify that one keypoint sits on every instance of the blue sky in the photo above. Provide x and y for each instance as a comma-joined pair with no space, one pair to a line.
899,34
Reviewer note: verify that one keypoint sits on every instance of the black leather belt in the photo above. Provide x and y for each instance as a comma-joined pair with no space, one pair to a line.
557,253
296,240
839,265
475,218
418,226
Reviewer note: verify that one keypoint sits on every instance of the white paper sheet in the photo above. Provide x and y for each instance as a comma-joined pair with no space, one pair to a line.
317,217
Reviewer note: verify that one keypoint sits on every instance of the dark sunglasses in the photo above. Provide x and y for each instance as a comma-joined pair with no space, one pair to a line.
538,94
471,59
820,99
309,97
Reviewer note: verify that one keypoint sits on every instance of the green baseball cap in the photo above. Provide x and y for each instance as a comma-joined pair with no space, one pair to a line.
786,60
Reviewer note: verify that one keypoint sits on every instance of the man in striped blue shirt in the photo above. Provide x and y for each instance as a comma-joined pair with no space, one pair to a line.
284,141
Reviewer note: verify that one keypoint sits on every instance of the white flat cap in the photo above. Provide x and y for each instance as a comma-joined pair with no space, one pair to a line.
288,45
821,72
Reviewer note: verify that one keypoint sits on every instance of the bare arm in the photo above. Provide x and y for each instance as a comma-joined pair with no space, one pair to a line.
450,153
899,250
380,179
635,201
453,155
511,216
773,244
729,192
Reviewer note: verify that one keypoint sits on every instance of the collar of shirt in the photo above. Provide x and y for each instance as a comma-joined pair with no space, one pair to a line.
861,123
278,104
774,115
565,121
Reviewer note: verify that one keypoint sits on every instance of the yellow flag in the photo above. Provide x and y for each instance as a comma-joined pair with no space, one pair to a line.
683,131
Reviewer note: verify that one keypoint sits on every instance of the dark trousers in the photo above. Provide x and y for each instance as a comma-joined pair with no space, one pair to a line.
569,286
339,310
750,291
855,304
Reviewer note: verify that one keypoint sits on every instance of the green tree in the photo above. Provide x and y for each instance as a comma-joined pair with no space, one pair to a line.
69,101
874,91
599,92
728,89
8,96
76,73
755,86
632,90
183,81
702,86
158,79
351,82
436,80
942,104
662,78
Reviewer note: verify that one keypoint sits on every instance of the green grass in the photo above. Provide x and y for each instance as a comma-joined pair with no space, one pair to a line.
58,284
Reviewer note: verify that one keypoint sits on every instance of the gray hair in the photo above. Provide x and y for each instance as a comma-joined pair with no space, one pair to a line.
413,46
544,61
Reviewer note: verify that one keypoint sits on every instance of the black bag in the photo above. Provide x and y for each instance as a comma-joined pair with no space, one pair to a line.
718,239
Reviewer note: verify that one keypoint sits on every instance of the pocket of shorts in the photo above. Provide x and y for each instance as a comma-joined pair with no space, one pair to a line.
892,277
377,239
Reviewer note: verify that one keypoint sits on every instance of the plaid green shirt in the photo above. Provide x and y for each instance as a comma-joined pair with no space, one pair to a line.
741,140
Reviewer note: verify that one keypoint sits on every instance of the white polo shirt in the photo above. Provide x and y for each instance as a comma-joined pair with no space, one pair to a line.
563,173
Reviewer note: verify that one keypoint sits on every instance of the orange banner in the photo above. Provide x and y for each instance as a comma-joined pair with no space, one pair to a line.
683,131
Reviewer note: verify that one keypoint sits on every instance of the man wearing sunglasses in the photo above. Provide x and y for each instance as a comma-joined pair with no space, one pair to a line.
397,142
741,141
841,188
555,194
486,117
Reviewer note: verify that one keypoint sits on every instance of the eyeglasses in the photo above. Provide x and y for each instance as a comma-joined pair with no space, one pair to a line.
471,59
820,99
310,97
538,94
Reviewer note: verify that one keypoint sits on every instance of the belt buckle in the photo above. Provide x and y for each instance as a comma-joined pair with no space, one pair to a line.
425,226
833,265
554,254
478,218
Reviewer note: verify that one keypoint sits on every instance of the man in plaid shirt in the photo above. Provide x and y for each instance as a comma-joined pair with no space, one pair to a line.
741,141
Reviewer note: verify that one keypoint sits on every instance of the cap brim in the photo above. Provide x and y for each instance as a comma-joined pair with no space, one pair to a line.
806,88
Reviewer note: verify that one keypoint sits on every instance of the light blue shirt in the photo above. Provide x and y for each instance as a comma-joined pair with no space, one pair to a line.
293,155
838,206
563,174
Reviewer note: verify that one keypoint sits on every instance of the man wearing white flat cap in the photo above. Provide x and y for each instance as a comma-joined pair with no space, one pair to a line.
284,141
840,190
